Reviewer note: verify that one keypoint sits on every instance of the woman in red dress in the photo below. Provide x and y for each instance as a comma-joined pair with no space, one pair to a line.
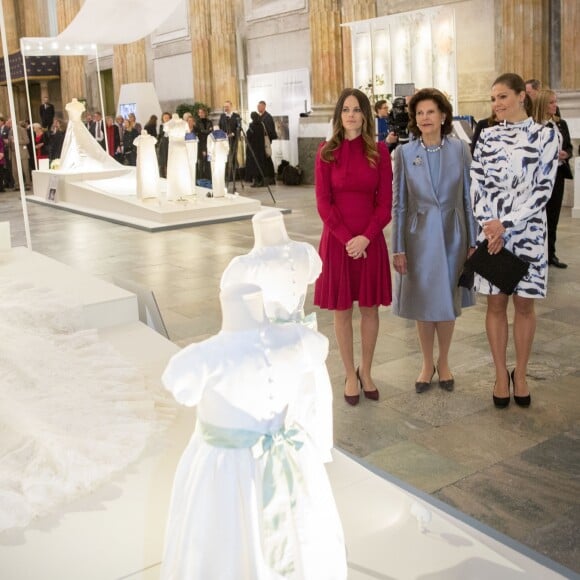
354,195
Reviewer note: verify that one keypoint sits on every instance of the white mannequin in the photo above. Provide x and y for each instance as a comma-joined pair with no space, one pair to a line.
218,150
251,498
269,228
242,307
147,166
283,269
178,175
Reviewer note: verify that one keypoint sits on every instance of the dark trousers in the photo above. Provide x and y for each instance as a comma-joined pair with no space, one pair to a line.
553,211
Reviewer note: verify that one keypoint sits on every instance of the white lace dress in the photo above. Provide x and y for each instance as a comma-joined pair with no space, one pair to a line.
251,499
72,411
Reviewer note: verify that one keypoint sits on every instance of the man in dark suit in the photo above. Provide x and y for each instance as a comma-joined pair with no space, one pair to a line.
97,128
270,127
230,122
46,113
268,121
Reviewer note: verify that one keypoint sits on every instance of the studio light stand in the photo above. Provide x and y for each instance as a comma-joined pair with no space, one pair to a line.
234,162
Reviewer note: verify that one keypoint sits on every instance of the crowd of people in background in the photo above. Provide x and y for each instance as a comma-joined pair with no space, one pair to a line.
44,140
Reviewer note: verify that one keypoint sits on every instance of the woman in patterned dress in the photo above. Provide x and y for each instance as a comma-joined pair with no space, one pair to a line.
354,196
513,171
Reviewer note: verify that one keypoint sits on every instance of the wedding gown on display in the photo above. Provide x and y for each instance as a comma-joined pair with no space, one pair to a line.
251,498
72,411
80,151
284,269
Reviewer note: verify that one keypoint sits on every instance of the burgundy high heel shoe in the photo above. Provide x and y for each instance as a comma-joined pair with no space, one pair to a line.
521,401
372,395
502,402
351,399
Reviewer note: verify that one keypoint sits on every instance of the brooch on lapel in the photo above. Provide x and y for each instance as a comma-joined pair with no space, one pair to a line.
417,161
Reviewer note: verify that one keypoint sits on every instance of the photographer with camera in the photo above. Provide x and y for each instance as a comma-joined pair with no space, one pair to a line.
383,131
399,120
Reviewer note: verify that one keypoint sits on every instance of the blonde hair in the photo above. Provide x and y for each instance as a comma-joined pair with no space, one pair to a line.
541,104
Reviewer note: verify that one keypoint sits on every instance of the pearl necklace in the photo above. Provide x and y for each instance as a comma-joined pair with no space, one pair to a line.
432,149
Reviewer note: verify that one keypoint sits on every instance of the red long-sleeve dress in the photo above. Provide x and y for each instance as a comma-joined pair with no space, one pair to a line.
353,198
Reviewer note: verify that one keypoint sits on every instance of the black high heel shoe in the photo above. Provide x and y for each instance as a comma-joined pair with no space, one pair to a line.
372,395
422,386
521,401
502,402
448,384
351,399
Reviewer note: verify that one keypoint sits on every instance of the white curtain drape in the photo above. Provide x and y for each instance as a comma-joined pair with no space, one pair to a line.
103,23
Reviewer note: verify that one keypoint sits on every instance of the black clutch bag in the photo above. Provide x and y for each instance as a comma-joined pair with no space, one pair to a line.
503,269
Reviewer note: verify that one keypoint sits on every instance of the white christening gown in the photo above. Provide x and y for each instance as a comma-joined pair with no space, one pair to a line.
284,272
251,499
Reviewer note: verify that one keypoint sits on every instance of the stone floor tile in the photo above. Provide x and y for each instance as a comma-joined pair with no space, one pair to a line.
418,466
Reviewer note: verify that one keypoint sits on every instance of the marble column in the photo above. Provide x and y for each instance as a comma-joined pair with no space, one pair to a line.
326,52
12,35
570,55
200,32
525,27
129,65
224,66
33,17
351,12
72,68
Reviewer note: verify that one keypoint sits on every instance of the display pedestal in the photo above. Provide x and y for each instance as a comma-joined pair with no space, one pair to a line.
112,195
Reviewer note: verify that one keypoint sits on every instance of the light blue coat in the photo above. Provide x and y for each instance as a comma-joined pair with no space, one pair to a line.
434,227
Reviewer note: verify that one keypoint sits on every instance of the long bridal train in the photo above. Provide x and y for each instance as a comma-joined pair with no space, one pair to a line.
90,181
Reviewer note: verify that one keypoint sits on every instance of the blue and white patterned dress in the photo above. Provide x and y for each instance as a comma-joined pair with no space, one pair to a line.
512,176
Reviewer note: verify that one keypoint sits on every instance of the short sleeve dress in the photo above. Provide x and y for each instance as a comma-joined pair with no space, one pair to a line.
353,198
251,499
284,272
512,175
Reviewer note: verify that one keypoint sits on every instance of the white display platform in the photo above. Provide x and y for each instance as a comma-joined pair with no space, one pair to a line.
116,533
111,195
102,304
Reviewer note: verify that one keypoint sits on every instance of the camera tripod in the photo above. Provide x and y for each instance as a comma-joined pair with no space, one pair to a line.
233,162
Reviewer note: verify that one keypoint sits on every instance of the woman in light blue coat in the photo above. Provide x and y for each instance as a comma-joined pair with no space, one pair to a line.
433,230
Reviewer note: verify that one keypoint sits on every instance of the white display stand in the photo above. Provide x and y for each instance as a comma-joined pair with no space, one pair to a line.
112,196
391,530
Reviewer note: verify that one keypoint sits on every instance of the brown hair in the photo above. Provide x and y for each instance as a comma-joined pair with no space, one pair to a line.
368,127
442,103
379,104
515,83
